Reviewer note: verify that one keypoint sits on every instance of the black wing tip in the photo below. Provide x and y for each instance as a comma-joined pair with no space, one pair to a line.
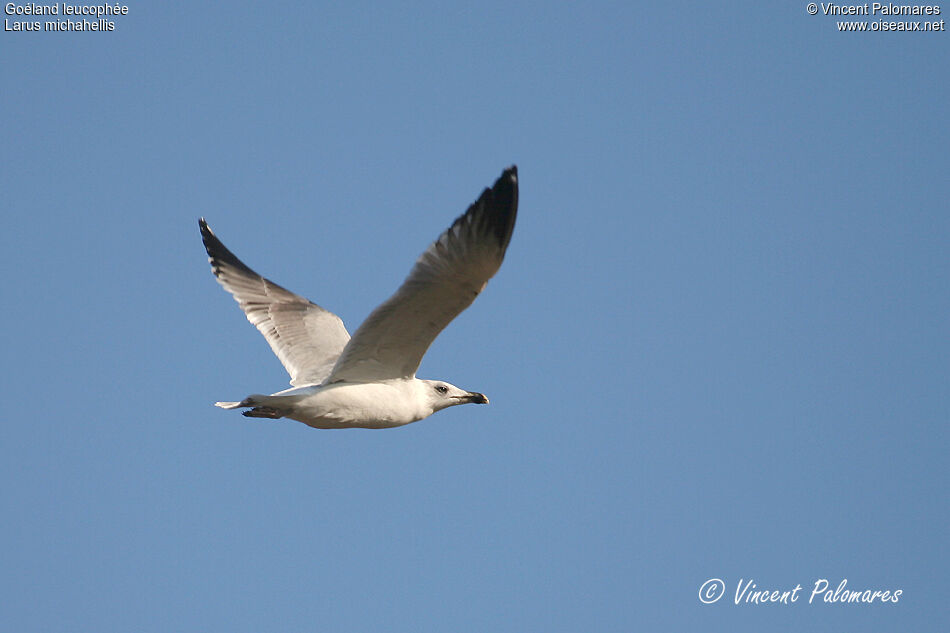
505,189
504,204
208,238
218,253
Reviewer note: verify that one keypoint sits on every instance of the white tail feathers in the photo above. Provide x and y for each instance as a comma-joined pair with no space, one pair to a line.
228,405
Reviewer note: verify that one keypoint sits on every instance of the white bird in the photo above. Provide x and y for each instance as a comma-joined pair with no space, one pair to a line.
369,381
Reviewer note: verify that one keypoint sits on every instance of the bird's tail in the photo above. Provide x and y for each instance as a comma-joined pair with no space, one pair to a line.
229,405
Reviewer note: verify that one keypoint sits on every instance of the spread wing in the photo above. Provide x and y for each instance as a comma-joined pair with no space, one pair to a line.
306,338
445,280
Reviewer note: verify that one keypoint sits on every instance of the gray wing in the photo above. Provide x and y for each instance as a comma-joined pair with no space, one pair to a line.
445,280
306,338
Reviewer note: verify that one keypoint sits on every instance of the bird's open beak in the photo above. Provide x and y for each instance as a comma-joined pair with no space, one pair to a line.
475,398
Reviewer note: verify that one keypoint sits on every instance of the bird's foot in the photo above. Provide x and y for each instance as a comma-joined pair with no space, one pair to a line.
263,412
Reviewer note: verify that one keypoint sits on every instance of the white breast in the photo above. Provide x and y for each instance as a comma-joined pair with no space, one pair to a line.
364,405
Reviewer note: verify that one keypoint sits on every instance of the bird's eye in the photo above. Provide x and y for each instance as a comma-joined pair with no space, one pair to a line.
442,389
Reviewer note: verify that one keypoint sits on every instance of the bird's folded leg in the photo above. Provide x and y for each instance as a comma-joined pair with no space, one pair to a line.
263,412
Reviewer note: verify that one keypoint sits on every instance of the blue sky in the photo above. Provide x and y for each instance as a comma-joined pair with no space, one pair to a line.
718,346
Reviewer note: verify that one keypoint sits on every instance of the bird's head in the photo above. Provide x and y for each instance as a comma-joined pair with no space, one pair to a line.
441,394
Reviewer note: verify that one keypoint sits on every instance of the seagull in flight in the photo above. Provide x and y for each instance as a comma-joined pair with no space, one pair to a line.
369,380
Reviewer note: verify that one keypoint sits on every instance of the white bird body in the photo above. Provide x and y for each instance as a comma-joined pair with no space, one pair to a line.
369,381
340,405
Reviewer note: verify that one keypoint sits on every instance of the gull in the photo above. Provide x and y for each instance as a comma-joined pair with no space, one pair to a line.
369,381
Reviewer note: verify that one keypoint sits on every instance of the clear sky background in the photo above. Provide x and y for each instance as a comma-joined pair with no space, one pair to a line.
718,346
